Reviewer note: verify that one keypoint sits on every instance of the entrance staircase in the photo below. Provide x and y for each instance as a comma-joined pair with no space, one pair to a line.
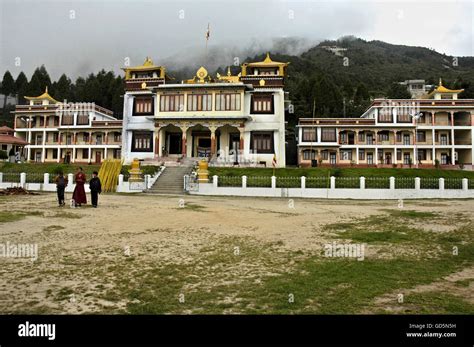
171,181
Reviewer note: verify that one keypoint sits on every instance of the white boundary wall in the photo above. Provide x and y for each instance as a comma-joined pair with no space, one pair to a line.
337,193
122,187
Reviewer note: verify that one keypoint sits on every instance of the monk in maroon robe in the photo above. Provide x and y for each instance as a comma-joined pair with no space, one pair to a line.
79,195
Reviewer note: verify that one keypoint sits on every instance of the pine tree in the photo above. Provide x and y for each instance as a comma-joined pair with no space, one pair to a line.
8,89
21,86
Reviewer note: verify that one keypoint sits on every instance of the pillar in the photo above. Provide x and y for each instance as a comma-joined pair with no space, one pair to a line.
157,141
90,137
241,144
452,117
73,159
89,156
106,137
213,141
184,141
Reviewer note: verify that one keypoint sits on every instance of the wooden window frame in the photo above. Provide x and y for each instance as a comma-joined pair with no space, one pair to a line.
144,100
146,137
255,135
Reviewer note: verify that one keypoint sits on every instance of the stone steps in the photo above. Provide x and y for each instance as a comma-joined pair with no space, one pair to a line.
171,180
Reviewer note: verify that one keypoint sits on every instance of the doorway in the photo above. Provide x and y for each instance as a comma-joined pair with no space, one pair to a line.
98,157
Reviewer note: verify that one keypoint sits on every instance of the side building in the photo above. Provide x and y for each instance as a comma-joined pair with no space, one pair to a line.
230,119
67,132
435,130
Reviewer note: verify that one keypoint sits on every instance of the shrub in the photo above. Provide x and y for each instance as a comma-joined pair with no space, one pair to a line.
3,155
437,163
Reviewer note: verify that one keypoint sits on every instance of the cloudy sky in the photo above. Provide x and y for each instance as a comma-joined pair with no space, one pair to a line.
82,36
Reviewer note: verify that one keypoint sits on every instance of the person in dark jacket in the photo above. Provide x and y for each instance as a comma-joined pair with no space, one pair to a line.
61,184
96,188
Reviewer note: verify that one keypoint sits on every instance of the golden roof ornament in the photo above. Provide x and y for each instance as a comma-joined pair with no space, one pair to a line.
262,82
201,74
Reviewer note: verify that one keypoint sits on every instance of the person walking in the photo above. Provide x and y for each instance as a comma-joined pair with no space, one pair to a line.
96,188
61,184
79,195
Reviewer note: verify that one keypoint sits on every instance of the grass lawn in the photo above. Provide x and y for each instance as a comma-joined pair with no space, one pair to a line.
341,172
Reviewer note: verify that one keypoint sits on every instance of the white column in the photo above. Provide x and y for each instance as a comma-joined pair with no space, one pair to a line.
303,182
105,153
376,156
433,150
89,156
46,178
73,159
362,182
395,155
357,155
273,182
333,182
215,181
392,182
59,155
244,181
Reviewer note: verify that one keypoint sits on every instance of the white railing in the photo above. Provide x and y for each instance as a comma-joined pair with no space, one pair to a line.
339,187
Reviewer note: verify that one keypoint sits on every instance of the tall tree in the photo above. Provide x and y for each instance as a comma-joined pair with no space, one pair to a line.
8,88
398,91
21,86
39,81
62,89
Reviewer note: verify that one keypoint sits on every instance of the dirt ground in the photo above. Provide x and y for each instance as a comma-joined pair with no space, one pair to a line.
78,247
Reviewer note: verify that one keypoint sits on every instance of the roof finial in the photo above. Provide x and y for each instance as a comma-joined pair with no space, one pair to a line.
228,71
440,82
46,90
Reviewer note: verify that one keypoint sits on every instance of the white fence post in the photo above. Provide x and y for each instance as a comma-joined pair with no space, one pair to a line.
465,184
23,180
441,184
244,181
362,182
303,182
120,180
274,182
333,182
147,181
46,178
392,182
70,179
417,183
215,181
1,177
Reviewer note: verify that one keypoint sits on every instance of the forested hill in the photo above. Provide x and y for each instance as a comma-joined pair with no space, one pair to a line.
367,69
335,85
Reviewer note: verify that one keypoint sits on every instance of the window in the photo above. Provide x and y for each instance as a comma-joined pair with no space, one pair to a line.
346,155
55,154
262,142
343,138
199,102
328,135
444,140
117,154
309,155
309,135
385,115
361,154
82,119
421,154
172,103
404,118
420,136
383,136
399,154
67,120
325,154
85,137
228,102
85,153
262,103
4,147
46,154
399,138
117,137
406,158
142,141
143,106
361,137
370,139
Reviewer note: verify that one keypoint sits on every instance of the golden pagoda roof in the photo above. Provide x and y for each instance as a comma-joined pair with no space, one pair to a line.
146,66
442,89
266,62
229,78
44,96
